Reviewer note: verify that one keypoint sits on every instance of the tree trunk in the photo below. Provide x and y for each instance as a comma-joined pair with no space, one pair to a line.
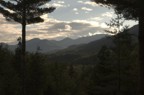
141,50
23,48
24,30
23,59
23,38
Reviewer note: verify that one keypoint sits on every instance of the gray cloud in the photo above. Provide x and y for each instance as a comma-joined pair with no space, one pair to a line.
72,29
50,29
72,18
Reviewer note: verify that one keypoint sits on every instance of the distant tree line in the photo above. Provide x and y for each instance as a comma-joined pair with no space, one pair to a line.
113,72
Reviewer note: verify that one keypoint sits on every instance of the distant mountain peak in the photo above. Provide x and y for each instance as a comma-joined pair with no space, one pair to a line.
36,39
66,39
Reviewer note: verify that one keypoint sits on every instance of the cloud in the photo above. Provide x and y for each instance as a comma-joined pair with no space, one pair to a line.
73,29
61,2
70,19
8,31
86,9
97,18
75,9
68,28
80,1
88,22
57,4
50,29
103,25
91,3
76,13
108,14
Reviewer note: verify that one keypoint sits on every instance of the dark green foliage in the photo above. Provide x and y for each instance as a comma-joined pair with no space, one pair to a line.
103,79
9,80
132,9
24,12
123,54
113,72
33,10
116,71
35,75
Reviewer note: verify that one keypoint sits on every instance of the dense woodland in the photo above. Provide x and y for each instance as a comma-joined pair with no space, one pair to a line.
113,71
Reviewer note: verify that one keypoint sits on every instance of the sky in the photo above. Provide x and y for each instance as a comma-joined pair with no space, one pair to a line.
72,18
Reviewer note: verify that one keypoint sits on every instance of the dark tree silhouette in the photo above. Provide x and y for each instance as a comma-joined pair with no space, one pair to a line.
131,9
24,12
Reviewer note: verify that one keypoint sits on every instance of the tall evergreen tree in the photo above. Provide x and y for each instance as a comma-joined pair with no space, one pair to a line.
131,9
123,46
103,79
24,12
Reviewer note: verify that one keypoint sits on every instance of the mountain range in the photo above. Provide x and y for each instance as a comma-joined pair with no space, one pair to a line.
95,45
83,45
46,46
86,53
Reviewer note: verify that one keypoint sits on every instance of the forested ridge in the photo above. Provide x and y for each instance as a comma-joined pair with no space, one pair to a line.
112,70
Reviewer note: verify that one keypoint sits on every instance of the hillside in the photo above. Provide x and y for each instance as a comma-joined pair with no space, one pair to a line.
86,52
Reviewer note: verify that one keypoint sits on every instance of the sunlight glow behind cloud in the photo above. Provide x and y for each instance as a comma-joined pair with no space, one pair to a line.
70,19
108,14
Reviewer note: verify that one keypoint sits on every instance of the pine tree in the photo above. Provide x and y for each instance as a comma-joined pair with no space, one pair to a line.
103,79
123,46
131,9
24,12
